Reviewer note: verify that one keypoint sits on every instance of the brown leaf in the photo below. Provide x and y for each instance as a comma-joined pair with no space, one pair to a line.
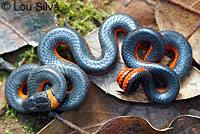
180,17
127,125
19,28
131,125
141,10
100,107
138,9
190,85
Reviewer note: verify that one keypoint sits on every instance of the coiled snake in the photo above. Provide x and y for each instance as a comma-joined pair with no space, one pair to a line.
148,70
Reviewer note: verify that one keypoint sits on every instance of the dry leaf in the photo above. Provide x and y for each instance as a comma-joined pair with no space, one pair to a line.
141,10
127,125
100,107
131,125
19,28
138,9
180,18
189,87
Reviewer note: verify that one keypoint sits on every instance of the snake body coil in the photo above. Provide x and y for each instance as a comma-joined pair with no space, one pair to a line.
147,69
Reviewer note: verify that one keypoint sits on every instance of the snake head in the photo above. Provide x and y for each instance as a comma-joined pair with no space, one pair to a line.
39,102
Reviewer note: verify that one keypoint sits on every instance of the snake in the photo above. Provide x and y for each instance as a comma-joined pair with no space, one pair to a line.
148,69
85,62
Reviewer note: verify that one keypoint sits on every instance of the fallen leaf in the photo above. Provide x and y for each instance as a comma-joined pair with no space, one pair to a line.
127,125
138,9
141,10
100,107
131,125
190,85
19,28
181,17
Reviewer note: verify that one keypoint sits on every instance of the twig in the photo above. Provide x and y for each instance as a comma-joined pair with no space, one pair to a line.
14,29
194,3
88,127
194,29
68,123
184,6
